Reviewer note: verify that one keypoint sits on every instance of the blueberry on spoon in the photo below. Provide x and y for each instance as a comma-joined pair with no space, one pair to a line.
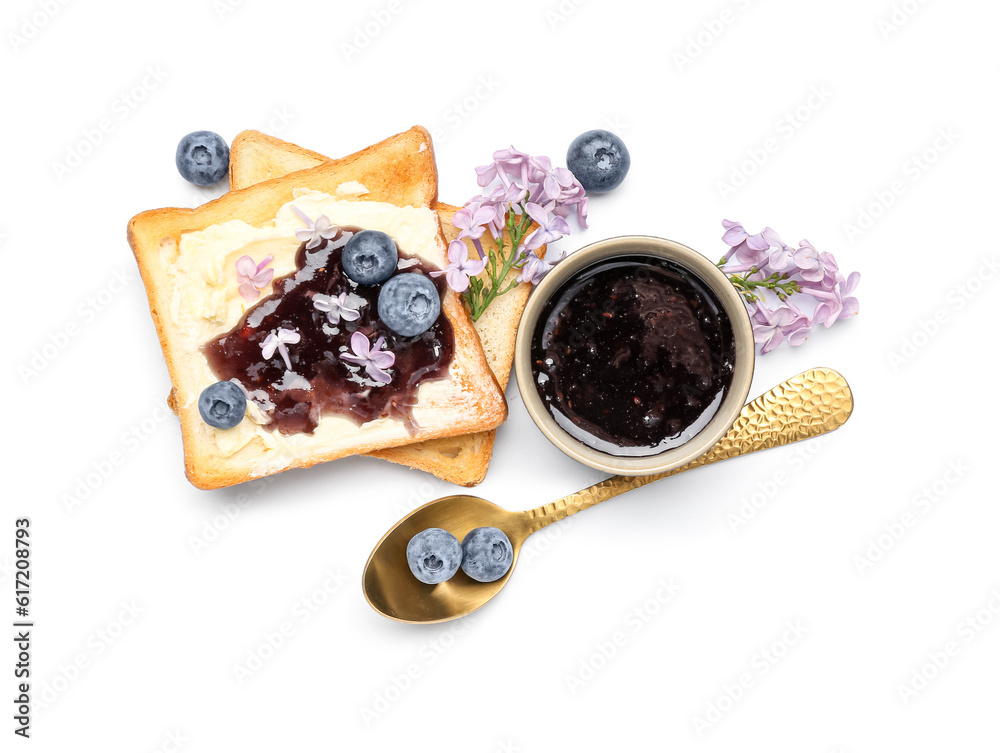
486,554
433,555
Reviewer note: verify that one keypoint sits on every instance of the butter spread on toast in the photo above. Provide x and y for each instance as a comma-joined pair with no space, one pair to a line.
207,304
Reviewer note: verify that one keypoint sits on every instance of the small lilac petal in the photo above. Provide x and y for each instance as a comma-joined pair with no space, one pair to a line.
535,240
851,308
474,267
814,274
457,281
799,336
383,358
852,282
581,213
559,225
486,174
806,257
747,255
783,316
263,279
283,350
541,163
780,258
269,346
551,185
457,252
823,313
564,177
377,374
483,215
734,237
738,269
249,292
302,216
537,213
769,236
360,344
245,267
758,242
773,342
735,233
828,261
473,234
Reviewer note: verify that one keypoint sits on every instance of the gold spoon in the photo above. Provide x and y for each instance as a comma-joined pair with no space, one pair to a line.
808,405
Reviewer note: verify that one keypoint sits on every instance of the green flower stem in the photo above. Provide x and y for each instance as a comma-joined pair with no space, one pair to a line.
778,283
502,258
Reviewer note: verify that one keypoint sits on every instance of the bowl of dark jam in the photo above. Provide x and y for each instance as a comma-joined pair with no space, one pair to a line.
634,355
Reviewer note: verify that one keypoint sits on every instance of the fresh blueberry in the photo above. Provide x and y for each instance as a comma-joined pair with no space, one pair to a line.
370,257
409,304
599,160
203,158
222,405
486,554
433,555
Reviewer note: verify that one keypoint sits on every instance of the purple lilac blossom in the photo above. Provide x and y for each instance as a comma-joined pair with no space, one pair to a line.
460,268
372,358
778,318
518,183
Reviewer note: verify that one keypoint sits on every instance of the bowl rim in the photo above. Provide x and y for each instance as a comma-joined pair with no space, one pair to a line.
732,304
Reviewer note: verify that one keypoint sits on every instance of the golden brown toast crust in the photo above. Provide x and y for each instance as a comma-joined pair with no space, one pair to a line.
462,460
399,170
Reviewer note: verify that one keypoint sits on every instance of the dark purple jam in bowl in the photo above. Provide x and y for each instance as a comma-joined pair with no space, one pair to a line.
633,355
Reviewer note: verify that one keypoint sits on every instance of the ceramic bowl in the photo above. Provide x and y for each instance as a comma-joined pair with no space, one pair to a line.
732,306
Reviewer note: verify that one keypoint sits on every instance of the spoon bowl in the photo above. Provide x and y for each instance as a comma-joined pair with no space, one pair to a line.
391,588
808,405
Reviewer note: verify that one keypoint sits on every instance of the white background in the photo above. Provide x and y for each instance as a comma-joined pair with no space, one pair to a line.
484,76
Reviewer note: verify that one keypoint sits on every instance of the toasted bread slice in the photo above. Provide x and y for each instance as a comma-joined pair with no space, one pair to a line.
182,252
461,460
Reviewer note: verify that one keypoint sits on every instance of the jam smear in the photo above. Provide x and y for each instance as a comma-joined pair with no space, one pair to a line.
633,355
320,382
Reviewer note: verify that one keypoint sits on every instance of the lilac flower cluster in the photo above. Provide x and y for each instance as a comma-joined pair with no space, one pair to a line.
519,190
776,279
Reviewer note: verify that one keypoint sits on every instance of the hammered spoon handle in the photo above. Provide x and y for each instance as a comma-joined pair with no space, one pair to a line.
815,402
